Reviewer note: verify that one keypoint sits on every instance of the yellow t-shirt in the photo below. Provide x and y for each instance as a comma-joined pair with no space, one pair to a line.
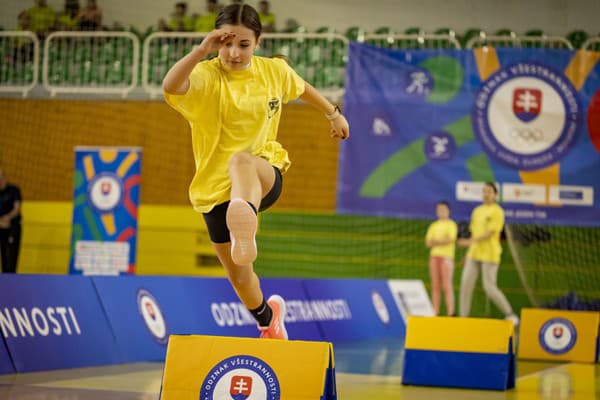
42,18
484,218
267,19
187,23
230,112
205,22
440,230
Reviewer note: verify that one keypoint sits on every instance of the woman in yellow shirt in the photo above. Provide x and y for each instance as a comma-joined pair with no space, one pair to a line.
487,221
233,105
441,238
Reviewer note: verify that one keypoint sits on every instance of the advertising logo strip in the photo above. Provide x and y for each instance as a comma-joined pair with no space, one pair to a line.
559,335
213,367
471,353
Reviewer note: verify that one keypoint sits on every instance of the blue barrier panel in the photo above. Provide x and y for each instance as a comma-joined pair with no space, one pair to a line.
354,309
54,322
6,365
475,353
220,312
144,310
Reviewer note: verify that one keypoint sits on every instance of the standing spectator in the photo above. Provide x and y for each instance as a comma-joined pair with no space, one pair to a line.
69,19
267,18
440,238
42,18
487,221
206,22
90,18
23,46
10,224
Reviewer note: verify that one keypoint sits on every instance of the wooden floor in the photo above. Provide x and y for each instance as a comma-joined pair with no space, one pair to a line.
364,371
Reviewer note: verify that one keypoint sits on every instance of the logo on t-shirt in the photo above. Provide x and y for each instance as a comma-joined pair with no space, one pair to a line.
273,107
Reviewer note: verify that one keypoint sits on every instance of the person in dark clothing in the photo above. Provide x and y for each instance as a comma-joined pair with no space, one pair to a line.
10,224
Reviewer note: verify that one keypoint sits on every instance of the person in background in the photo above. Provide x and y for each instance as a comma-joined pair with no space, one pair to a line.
206,22
180,21
10,224
90,18
441,238
233,104
42,18
267,18
69,19
487,221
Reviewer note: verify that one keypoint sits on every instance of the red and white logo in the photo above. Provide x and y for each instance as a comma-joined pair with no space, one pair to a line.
527,103
240,387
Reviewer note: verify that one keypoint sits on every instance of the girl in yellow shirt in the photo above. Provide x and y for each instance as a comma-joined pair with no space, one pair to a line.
441,238
233,105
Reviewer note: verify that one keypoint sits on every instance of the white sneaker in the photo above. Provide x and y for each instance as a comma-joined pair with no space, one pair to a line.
513,317
242,223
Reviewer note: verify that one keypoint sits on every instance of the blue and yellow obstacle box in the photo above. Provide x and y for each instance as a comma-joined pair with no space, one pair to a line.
215,367
473,353
559,335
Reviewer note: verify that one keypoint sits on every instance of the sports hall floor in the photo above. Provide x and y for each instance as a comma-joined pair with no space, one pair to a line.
364,370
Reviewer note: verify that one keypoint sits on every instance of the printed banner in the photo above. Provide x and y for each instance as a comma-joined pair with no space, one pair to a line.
433,125
54,322
359,308
105,208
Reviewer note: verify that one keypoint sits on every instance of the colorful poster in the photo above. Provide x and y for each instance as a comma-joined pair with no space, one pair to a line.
433,125
105,208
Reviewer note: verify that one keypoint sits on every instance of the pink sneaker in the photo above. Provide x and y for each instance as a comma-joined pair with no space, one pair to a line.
276,329
242,223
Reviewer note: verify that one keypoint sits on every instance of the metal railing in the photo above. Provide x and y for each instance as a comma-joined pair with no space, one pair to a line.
413,41
111,62
592,44
19,61
91,62
320,58
545,42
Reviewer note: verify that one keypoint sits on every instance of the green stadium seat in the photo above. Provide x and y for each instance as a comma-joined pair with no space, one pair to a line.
355,34
470,34
444,44
509,34
577,38
412,43
534,33
386,43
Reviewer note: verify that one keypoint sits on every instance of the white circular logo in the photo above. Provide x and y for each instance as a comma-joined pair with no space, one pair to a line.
241,377
557,336
105,192
152,315
527,115
380,307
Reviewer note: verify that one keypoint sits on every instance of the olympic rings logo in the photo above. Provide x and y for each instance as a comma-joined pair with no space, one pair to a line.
527,134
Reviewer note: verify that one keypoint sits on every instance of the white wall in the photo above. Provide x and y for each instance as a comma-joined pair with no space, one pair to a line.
553,16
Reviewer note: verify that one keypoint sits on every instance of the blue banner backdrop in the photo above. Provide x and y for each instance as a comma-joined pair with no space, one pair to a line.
54,322
105,209
6,366
434,125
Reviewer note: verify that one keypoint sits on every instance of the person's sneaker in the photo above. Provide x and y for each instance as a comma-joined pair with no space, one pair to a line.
242,222
513,317
276,329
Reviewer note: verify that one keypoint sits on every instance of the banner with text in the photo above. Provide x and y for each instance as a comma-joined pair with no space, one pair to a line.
433,125
105,209
54,322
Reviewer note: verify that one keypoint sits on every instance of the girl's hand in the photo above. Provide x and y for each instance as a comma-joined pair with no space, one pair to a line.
340,128
215,40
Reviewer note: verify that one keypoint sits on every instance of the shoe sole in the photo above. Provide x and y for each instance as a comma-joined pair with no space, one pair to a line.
242,223
281,303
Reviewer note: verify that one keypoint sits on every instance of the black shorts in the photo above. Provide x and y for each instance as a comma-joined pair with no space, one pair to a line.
215,218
